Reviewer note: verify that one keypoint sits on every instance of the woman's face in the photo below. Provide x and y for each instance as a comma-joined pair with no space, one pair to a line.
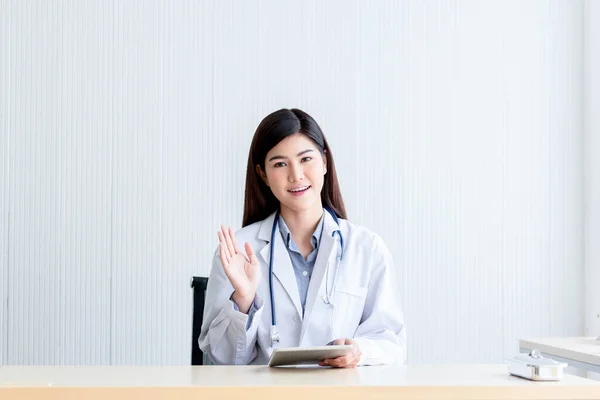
294,170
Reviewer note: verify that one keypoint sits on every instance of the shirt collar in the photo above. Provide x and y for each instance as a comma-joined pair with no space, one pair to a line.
286,235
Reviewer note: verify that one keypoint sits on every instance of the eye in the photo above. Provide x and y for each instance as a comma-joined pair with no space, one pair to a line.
279,164
306,159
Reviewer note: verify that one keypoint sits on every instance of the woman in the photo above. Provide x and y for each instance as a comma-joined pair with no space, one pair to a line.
330,281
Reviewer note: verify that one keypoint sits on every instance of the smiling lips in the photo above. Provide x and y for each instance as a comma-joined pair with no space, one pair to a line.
299,191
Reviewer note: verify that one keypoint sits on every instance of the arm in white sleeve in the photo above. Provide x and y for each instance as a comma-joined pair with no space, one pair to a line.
381,334
251,311
225,336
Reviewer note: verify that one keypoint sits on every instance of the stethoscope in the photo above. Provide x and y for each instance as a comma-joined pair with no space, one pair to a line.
326,299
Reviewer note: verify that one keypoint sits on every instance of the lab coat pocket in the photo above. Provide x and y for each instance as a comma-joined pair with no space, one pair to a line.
347,312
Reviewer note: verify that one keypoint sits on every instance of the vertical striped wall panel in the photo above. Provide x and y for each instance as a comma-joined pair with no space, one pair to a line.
456,128
4,173
592,168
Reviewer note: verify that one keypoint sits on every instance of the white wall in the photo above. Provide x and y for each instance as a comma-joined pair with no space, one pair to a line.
456,128
592,167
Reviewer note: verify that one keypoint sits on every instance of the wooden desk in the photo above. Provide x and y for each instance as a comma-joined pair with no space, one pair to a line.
261,382
578,352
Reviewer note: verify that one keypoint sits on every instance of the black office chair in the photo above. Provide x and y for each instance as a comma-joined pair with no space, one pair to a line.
199,285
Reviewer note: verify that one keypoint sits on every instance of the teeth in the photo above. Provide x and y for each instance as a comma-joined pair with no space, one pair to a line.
299,189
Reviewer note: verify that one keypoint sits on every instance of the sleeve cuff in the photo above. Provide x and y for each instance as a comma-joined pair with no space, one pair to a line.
256,305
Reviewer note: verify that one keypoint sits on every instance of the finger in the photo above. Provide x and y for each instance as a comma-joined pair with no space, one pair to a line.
331,362
230,247
345,361
251,255
224,258
232,235
342,361
326,362
335,364
351,365
356,360
223,236
224,244
237,249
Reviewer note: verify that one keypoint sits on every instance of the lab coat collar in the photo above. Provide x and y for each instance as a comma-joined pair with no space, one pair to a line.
264,232
283,269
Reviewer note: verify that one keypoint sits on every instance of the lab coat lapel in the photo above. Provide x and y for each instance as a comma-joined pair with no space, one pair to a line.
282,265
326,256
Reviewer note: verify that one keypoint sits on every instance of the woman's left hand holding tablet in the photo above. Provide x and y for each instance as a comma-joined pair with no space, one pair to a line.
349,361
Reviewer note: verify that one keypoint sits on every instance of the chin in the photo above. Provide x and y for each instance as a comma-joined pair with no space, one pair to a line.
301,206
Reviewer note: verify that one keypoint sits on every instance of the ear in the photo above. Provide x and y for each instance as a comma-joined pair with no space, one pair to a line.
262,175
324,162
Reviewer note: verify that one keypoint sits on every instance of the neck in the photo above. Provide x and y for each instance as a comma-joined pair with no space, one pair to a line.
303,223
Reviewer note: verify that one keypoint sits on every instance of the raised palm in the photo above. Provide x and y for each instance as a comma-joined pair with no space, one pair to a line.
242,269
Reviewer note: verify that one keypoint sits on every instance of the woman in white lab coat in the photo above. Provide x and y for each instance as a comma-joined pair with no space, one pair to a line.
331,280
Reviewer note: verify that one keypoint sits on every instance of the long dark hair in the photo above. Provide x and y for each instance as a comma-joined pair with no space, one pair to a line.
259,201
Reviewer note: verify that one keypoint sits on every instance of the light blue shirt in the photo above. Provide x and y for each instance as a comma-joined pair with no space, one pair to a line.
303,269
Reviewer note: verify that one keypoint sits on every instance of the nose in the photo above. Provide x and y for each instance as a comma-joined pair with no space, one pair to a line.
296,173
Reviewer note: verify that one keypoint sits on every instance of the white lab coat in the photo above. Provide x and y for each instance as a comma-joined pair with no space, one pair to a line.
366,302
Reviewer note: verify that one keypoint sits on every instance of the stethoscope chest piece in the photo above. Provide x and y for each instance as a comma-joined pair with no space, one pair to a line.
274,336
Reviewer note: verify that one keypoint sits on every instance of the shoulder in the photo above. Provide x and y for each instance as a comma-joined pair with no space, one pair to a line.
248,234
362,238
365,250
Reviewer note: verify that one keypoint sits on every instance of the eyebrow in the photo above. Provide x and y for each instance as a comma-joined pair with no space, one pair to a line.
285,158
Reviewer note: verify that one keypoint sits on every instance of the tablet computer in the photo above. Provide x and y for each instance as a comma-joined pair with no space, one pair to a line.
307,355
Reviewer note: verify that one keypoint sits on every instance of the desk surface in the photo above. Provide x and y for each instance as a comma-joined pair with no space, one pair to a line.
582,349
261,382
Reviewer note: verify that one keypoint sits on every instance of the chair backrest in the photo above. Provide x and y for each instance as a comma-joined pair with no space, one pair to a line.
199,284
